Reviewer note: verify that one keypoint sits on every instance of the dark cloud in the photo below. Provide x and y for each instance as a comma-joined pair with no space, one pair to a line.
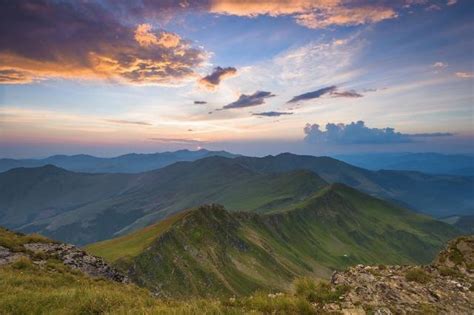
200,102
212,80
272,114
330,90
128,122
359,133
350,94
312,95
257,98
89,39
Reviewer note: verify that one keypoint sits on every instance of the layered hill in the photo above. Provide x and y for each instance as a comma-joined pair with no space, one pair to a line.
128,163
436,195
210,251
83,207
431,163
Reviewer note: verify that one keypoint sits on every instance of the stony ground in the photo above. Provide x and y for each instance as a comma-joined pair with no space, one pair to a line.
70,255
445,287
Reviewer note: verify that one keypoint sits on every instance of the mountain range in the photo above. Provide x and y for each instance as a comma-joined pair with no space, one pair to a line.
209,251
128,163
83,208
431,163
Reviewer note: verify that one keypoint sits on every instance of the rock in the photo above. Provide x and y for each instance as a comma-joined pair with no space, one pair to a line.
428,292
77,259
7,256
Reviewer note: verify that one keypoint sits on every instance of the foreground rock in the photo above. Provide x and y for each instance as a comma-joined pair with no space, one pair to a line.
445,287
39,250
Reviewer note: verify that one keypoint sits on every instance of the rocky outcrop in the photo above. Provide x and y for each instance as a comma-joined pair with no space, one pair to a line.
16,246
78,259
445,287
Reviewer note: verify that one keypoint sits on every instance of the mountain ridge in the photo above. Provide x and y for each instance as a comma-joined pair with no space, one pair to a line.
209,249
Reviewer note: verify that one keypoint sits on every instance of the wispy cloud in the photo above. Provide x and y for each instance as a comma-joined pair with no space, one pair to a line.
272,114
178,141
212,80
439,65
128,122
465,75
330,90
349,94
257,98
200,102
308,13
314,94
359,133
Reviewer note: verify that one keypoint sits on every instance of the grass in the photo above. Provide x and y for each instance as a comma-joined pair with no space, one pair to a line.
417,275
321,292
134,243
14,241
56,289
211,252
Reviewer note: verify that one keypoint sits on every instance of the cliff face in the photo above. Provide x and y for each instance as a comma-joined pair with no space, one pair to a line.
445,286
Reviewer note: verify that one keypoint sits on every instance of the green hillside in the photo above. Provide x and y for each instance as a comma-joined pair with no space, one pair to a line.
83,208
210,251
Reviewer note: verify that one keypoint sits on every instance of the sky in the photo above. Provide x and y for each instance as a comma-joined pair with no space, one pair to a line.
314,77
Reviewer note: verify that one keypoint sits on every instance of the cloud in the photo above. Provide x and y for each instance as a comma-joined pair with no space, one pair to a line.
433,7
257,98
439,65
430,135
312,95
359,133
272,114
309,13
12,76
350,94
212,80
342,16
200,102
88,40
146,38
128,122
465,75
178,141
330,90
451,2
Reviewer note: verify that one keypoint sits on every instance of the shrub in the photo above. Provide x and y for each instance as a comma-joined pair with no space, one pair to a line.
449,272
417,275
321,292
22,263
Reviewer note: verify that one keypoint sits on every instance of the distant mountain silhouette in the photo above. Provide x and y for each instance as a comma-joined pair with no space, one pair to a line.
128,163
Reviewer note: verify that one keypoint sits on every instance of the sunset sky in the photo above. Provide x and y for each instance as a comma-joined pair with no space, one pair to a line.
251,77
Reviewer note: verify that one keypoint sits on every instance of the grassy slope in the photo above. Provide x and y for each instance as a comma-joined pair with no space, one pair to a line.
53,288
82,208
210,251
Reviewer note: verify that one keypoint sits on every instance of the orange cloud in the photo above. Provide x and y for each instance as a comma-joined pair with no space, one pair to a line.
96,45
308,13
344,16
145,37
14,76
